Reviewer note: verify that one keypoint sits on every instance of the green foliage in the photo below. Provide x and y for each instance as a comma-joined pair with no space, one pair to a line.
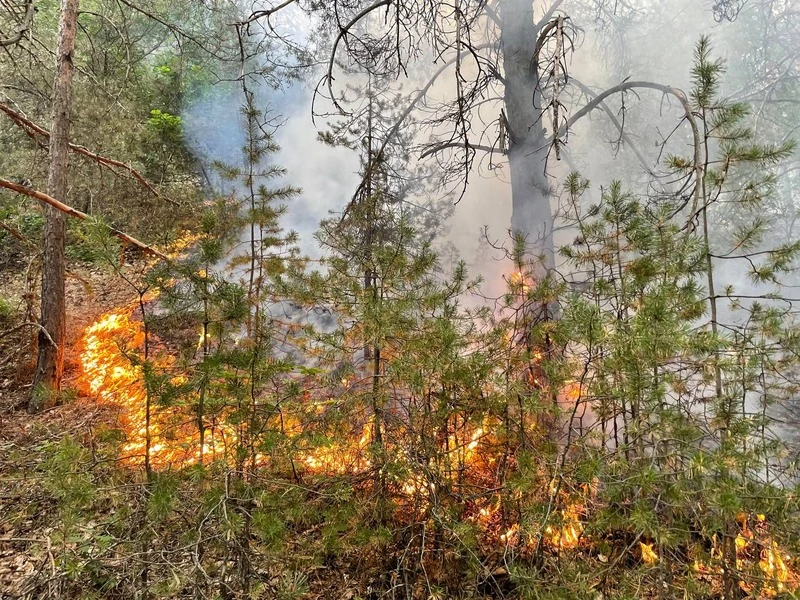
165,124
7,310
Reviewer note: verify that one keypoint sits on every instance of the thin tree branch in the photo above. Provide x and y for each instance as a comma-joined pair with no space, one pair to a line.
268,12
379,155
16,234
22,28
21,189
342,33
492,14
446,145
38,326
550,12
697,161
613,118
176,31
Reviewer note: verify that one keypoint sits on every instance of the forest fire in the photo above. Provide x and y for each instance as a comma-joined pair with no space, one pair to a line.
764,570
568,534
649,556
112,369
340,459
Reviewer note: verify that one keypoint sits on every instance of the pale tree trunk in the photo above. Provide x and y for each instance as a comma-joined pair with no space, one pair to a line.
527,149
47,379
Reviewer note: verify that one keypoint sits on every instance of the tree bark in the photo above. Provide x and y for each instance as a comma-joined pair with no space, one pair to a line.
50,364
531,214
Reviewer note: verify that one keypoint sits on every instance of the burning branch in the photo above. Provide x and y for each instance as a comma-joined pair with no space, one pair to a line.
32,129
21,189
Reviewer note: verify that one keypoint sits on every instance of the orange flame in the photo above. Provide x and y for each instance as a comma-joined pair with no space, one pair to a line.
111,370
649,556
568,534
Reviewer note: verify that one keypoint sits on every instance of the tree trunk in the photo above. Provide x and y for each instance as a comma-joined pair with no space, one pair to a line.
47,379
527,151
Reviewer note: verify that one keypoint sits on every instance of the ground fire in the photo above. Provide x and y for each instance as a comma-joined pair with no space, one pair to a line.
112,362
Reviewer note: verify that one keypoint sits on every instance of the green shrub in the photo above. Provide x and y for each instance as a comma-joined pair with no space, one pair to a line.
7,310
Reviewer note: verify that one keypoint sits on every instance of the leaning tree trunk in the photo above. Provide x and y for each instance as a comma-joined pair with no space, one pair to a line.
47,379
530,191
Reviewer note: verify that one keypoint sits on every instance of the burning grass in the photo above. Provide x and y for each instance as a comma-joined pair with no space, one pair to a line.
114,370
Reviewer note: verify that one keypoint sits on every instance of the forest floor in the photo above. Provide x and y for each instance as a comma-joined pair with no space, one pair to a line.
25,518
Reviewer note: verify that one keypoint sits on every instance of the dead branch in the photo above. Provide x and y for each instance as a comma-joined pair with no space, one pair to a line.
551,11
16,234
343,32
21,189
268,12
420,95
492,14
23,26
439,147
32,129
697,161
613,118
14,330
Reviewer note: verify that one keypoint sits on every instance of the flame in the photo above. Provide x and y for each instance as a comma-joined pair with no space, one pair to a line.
511,536
774,567
754,548
340,458
111,370
569,533
649,556
519,281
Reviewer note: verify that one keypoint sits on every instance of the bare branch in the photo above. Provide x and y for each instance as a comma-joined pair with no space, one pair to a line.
446,145
343,32
492,14
176,31
697,161
16,234
23,26
268,12
551,11
38,326
21,189
613,118
379,155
